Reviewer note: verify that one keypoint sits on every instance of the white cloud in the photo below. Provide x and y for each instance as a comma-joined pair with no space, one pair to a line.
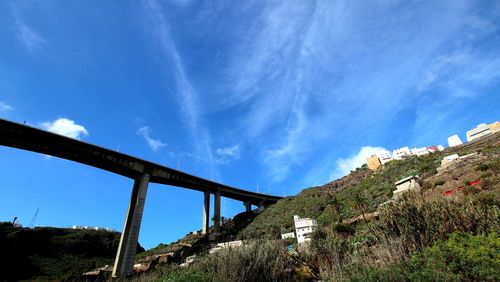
154,144
225,155
66,127
31,39
346,165
4,107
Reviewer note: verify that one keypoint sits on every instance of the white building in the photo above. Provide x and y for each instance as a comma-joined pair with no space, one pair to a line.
440,148
226,245
406,184
92,228
401,153
420,151
448,159
289,235
384,157
454,141
304,227
494,127
481,130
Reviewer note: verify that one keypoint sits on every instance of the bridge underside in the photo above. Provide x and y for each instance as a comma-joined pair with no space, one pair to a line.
142,172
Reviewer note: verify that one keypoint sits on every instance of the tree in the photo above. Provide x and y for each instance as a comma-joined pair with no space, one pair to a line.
336,207
360,203
229,226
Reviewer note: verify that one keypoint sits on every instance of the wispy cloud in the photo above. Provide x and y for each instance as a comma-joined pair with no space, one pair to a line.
322,76
462,74
31,39
154,144
66,127
319,72
227,154
187,97
4,107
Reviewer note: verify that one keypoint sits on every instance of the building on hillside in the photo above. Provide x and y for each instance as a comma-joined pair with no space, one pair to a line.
432,149
304,228
401,153
420,151
289,235
226,245
407,184
384,157
494,127
448,159
440,148
373,162
79,227
479,131
454,141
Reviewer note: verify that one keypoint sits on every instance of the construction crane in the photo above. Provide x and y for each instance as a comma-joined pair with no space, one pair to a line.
32,222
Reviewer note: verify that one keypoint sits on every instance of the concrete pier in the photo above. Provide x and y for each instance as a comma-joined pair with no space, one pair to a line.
217,211
125,257
206,212
248,206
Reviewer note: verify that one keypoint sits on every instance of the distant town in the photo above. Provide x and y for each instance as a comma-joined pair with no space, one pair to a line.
382,157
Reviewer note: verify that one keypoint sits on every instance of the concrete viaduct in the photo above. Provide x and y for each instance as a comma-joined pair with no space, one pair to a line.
142,172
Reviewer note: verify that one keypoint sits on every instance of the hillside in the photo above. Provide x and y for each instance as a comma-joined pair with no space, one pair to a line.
47,253
448,231
375,188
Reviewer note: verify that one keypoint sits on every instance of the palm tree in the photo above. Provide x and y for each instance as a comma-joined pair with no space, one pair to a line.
360,203
336,207
229,225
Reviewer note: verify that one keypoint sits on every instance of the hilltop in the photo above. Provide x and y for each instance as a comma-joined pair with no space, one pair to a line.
53,253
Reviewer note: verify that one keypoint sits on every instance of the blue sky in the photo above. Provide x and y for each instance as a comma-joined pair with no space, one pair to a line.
269,95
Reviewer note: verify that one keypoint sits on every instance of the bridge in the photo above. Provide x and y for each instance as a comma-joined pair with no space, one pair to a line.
143,172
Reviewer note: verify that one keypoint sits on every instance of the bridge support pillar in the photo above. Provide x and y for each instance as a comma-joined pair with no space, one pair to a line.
206,212
248,206
125,257
217,212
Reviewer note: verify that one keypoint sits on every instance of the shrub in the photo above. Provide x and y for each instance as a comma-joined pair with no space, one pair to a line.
392,272
486,175
419,222
344,229
482,167
185,275
439,182
462,257
257,261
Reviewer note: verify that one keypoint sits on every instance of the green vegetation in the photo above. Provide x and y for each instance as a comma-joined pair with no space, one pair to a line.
439,182
414,240
53,253
424,236
360,192
264,260
463,257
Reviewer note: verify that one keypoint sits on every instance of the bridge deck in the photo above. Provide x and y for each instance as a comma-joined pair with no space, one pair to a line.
33,139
